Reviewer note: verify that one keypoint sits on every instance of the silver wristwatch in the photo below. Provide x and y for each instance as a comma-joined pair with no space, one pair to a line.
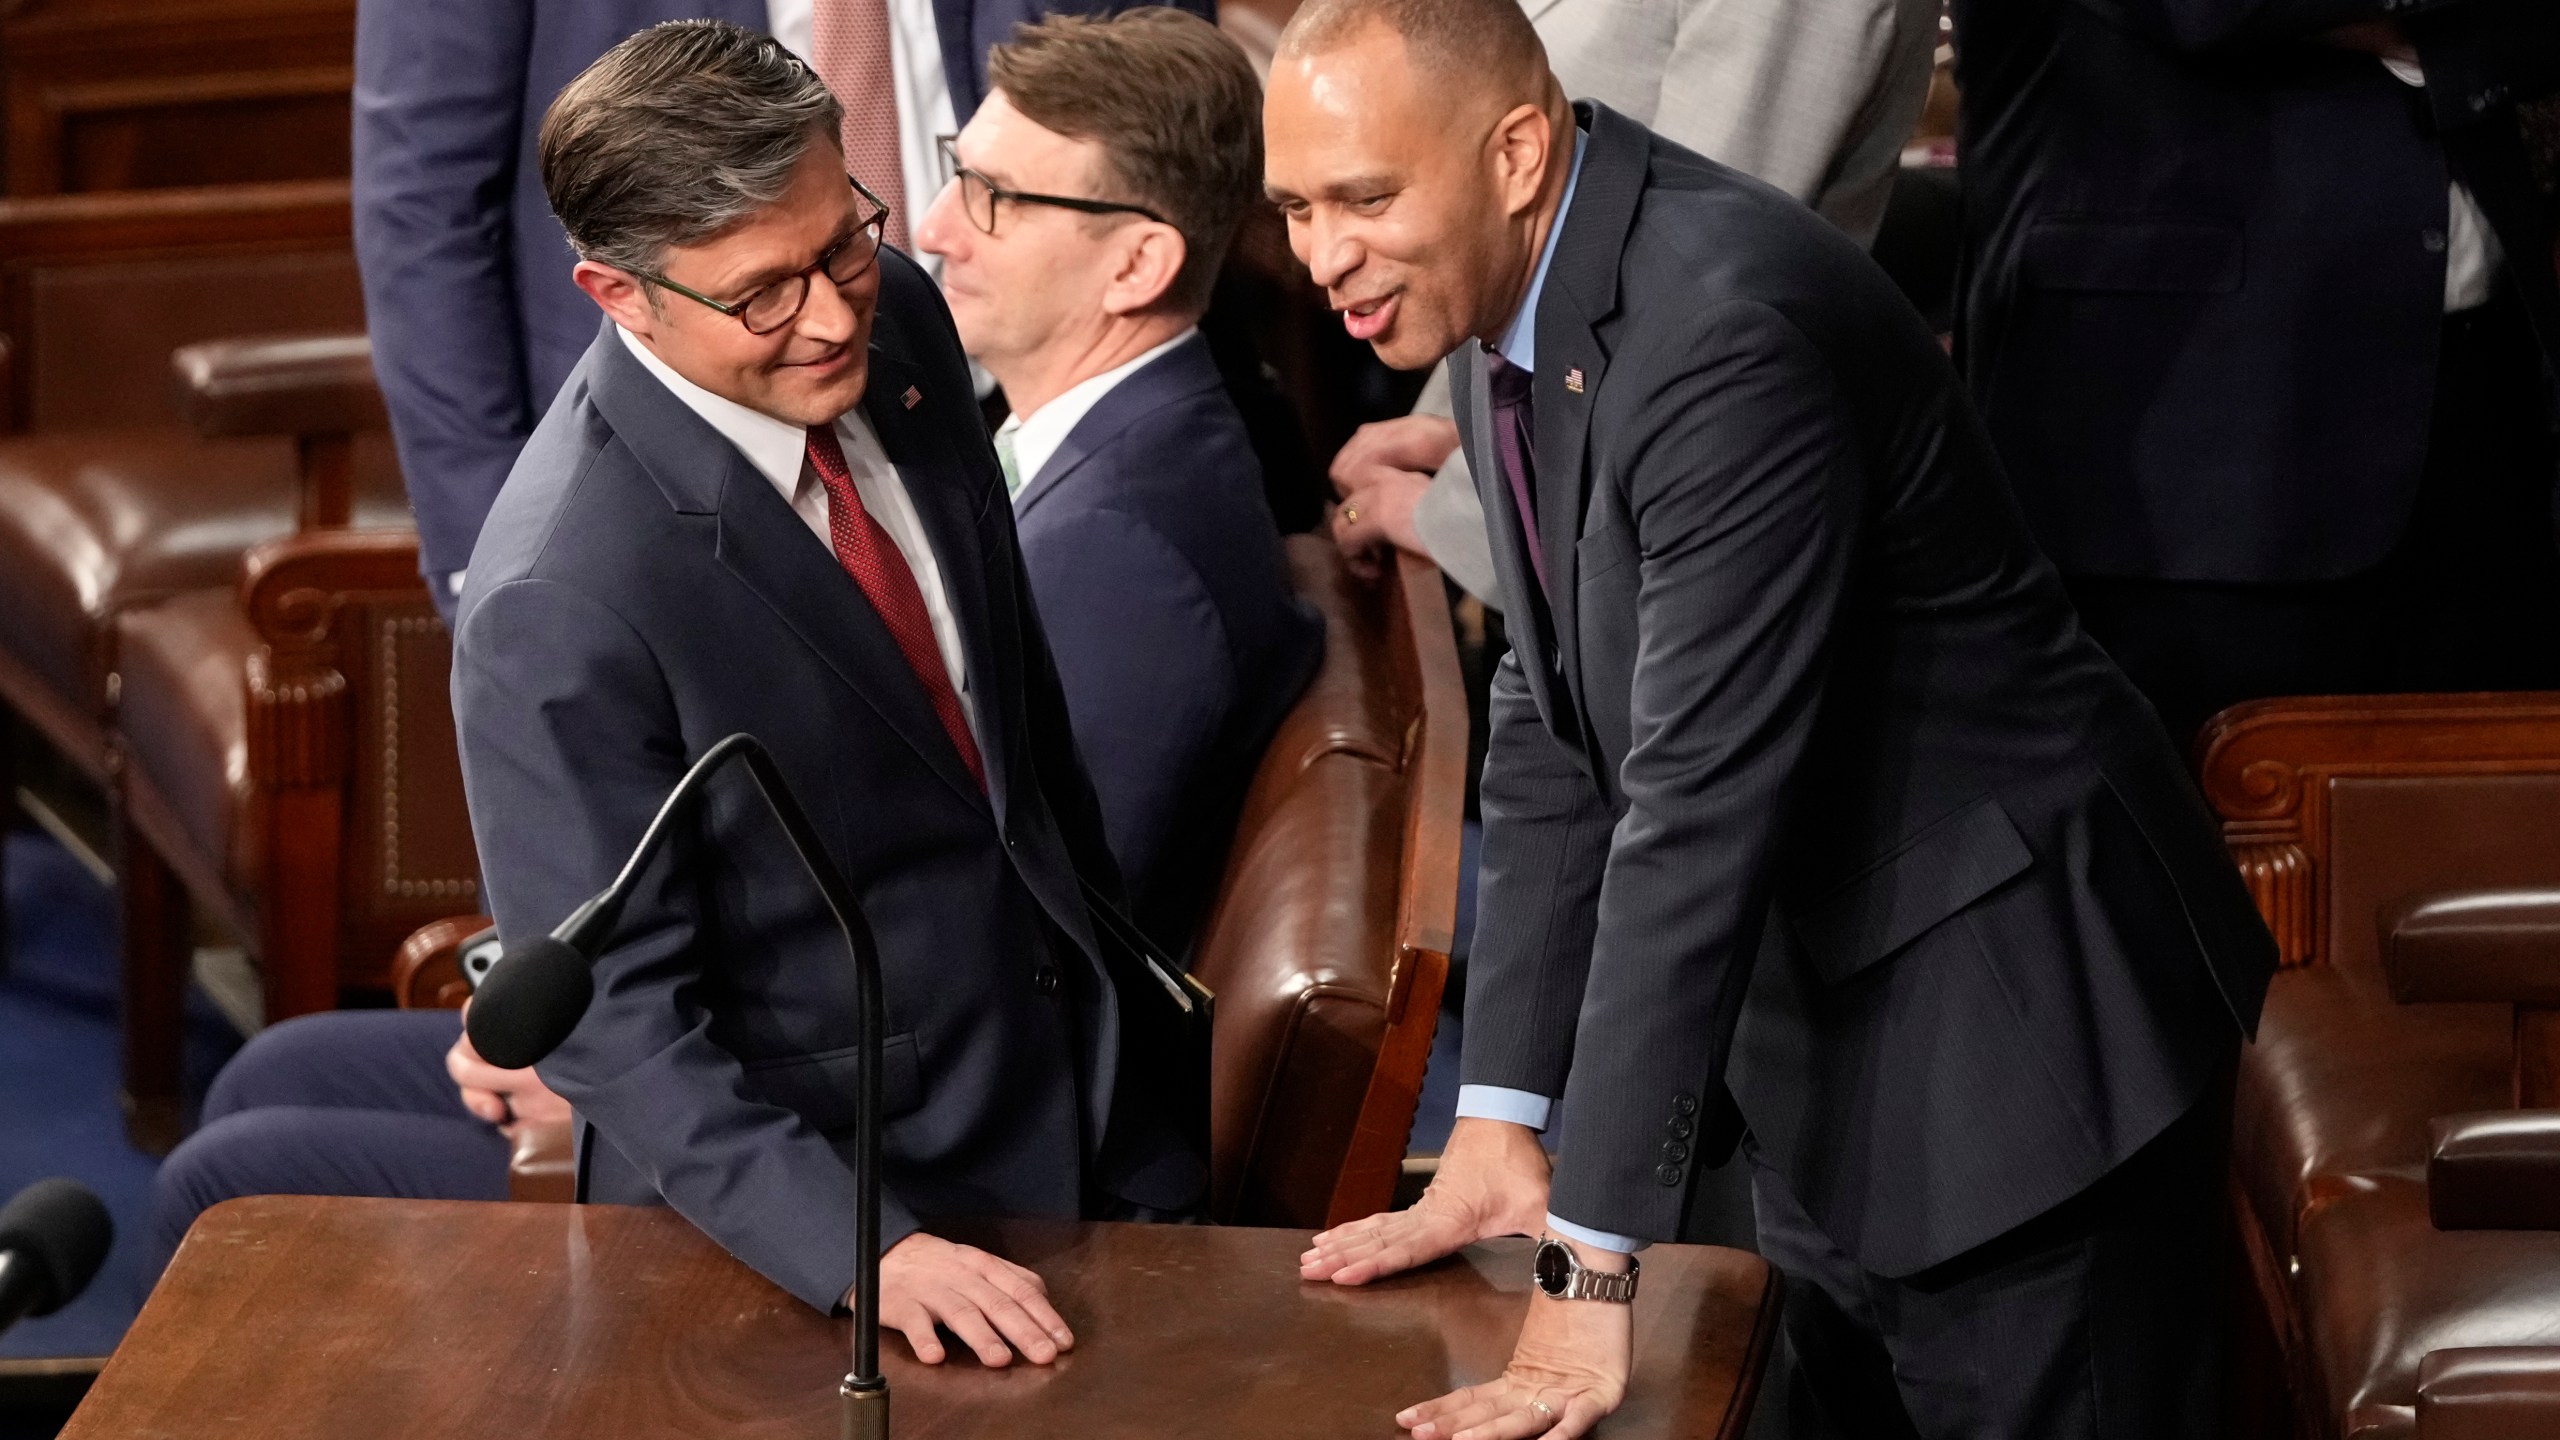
1560,1276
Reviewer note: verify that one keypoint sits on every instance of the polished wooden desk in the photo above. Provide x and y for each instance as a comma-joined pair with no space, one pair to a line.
288,1316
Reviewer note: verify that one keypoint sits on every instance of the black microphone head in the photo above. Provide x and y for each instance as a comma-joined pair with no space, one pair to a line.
61,1232
532,999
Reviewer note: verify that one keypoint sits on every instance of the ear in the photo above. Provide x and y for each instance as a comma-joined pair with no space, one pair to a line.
1148,268
619,295
1523,143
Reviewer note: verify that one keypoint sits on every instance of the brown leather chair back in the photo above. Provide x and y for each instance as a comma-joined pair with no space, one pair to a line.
2338,810
2338,806
1328,944
97,290
351,720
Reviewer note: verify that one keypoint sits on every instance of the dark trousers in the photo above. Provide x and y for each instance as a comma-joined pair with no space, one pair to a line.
2469,599
2098,1320
355,1102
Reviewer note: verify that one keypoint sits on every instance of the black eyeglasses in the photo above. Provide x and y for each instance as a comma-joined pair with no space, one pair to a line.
978,195
773,306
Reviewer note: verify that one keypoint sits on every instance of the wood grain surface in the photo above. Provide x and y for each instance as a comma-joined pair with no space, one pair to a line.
290,1316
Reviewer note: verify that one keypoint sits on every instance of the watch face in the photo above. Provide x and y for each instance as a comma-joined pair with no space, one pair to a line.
1554,1269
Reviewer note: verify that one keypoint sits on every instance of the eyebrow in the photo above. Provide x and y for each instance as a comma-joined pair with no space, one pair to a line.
1355,187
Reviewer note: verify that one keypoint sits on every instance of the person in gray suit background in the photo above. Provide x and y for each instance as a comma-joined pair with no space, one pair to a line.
1813,821
1814,96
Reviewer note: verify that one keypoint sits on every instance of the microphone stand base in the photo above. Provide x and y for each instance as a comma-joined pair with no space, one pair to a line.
866,1410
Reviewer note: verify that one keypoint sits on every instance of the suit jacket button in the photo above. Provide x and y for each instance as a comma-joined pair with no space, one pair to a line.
1045,979
1684,1105
1668,1174
1673,1152
1681,1127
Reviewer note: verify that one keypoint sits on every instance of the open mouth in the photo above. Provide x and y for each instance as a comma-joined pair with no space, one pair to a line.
1368,319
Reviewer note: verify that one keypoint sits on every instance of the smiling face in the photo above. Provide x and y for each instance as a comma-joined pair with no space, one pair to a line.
1417,216
809,371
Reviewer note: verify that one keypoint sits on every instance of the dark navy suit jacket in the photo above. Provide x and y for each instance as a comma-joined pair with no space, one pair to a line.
1803,777
466,274
642,592
2204,274
1168,604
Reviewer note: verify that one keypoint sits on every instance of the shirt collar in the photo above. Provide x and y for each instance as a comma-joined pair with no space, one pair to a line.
1520,342
776,448
1037,436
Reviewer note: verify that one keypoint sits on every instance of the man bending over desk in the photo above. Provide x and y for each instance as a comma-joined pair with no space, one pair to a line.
764,502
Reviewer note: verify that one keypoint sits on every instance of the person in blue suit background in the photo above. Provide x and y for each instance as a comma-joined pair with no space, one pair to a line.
466,273
1093,197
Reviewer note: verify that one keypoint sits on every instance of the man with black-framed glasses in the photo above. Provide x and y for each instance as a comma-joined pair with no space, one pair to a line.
1090,201
764,501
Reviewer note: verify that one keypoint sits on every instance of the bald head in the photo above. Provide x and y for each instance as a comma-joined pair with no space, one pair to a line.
1479,50
1419,150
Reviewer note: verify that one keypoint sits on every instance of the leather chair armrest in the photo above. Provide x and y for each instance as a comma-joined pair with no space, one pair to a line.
2477,945
545,1167
2503,1392
279,385
2495,1170
282,579
427,973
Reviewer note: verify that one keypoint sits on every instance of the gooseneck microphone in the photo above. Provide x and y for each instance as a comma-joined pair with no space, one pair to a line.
53,1237
539,988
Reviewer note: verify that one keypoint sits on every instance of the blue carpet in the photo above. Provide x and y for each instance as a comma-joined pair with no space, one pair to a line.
59,1068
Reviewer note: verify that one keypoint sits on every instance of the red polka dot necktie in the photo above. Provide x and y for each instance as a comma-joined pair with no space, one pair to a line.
875,563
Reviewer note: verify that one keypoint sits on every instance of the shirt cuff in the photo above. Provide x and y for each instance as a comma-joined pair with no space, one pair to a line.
1596,1239
1497,1102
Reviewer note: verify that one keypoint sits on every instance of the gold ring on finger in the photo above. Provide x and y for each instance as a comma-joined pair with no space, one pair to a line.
1545,1411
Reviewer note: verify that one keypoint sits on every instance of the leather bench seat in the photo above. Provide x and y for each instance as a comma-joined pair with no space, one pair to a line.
184,722
92,524
2381,1288
2343,1082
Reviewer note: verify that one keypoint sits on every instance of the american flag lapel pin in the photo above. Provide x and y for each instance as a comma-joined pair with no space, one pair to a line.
915,397
1573,381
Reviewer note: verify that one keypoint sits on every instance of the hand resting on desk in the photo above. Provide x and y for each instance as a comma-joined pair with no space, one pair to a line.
1492,1181
995,1306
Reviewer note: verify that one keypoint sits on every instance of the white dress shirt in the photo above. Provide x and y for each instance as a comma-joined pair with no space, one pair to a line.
2471,252
925,114
779,450
1036,437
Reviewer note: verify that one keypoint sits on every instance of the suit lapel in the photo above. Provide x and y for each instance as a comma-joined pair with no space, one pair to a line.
1581,292
1177,375
953,511
1473,402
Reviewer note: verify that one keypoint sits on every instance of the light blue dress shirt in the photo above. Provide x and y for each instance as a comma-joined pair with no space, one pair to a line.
1519,345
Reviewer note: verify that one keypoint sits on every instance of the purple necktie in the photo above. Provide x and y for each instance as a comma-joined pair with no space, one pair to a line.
1515,443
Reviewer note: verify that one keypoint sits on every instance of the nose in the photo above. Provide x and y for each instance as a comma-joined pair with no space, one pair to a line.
1329,254
830,316
937,232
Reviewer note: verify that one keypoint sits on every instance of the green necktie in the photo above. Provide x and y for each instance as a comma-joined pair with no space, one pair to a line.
1004,457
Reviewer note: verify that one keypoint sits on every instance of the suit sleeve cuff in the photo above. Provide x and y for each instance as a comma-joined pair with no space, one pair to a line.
1596,1239
1497,1102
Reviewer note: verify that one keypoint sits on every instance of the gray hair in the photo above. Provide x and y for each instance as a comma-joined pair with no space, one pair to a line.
675,135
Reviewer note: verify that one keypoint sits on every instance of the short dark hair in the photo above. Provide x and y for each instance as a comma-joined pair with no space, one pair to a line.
677,134
1175,107
1452,39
